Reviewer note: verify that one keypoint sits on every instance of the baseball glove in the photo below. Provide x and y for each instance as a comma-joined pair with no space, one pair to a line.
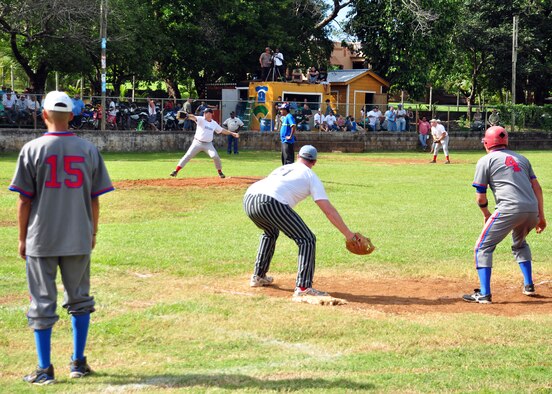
360,245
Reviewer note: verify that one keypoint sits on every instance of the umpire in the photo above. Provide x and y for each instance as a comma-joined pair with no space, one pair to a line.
269,204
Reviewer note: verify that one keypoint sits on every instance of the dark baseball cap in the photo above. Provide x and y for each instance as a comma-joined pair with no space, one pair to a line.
208,110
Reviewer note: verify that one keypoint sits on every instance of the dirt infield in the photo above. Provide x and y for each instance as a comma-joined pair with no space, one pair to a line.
408,296
230,182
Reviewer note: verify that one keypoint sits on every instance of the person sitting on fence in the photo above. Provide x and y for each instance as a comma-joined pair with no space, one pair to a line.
401,118
494,118
313,75
8,101
340,123
319,120
331,121
297,75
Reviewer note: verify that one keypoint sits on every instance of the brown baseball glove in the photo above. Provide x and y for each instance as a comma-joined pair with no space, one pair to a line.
360,245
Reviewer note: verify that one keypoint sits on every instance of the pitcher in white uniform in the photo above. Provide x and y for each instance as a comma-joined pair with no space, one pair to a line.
203,141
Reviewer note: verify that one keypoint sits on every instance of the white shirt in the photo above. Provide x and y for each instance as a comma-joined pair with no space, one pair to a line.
318,118
8,103
290,184
330,120
438,131
205,130
32,105
21,104
278,59
233,123
401,112
373,117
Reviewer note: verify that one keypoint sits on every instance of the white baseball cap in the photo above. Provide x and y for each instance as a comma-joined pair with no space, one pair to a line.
58,101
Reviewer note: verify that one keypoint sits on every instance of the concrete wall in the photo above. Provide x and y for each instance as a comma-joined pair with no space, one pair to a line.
131,141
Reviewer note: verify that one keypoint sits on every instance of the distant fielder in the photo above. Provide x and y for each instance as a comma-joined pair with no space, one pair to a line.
269,204
203,140
519,209
59,178
440,139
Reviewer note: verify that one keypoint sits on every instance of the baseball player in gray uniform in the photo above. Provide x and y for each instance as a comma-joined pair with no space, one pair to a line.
59,178
269,204
203,141
519,209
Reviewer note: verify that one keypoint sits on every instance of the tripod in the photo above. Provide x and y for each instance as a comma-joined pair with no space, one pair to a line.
275,69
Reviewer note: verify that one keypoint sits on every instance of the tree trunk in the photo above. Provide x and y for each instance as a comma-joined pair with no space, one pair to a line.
172,89
200,84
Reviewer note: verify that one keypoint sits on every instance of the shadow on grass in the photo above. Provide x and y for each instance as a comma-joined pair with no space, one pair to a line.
231,382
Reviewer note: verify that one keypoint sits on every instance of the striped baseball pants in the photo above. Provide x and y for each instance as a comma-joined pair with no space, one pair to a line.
497,227
272,216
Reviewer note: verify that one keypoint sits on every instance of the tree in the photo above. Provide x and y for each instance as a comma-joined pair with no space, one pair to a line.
39,33
403,39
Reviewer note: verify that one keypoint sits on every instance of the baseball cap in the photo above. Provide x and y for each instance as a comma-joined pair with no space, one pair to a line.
208,110
435,120
308,152
284,106
58,102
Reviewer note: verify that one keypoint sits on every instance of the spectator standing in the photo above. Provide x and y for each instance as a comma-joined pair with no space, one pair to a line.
278,60
391,119
409,118
78,109
277,117
265,60
401,118
58,215
152,114
188,123
423,129
233,124
329,109
287,134
33,106
373,118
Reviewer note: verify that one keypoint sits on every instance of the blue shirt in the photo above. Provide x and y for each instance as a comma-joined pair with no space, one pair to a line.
286,130
78,107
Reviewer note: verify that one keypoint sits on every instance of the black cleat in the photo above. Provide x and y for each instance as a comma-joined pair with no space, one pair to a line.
478,297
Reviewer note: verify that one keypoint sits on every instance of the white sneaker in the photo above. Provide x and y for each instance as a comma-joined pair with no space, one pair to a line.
309,291
258,281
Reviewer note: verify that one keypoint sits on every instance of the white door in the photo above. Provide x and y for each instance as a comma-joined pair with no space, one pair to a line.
229,102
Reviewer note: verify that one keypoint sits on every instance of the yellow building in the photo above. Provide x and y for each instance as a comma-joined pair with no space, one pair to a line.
351,90
265,95
348,91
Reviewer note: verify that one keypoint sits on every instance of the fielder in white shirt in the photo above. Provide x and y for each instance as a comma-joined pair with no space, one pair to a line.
440,138
269,204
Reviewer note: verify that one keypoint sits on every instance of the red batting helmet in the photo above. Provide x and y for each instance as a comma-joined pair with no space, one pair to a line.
495,136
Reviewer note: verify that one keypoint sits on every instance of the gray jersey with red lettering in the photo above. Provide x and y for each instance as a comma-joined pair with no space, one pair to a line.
509,176
61,173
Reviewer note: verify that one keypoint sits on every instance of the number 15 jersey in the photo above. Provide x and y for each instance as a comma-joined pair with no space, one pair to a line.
61,173
509,176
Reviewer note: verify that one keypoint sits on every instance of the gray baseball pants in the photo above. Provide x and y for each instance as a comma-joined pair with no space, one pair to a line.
41,278
199,146
443,144
272,216
497,227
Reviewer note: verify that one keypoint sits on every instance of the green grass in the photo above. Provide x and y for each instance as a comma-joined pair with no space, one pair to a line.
162,254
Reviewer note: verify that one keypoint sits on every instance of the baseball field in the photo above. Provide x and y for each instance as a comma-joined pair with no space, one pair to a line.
175,312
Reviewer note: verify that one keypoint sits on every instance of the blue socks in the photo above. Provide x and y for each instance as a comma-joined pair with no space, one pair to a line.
43,339
485,280
527,273
80,325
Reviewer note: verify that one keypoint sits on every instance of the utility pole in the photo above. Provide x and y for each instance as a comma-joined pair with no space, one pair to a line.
514,65
103,39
